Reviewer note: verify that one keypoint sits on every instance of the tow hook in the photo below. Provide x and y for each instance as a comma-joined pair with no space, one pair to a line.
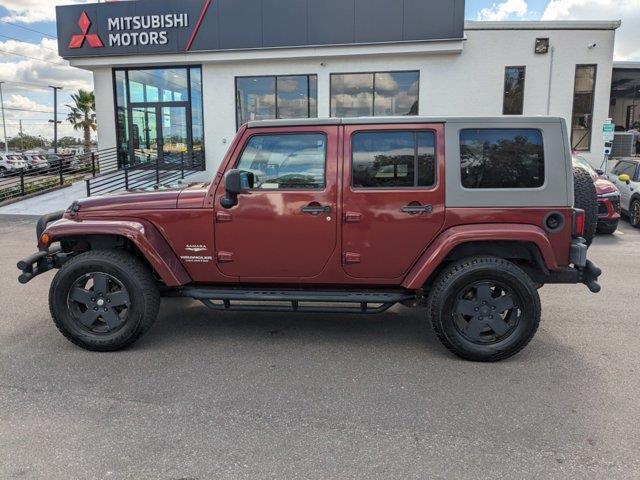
590,274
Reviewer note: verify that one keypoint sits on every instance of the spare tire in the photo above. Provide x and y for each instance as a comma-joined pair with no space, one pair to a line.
586,198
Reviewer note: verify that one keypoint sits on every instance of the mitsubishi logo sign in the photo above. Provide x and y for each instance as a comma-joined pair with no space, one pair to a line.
92,39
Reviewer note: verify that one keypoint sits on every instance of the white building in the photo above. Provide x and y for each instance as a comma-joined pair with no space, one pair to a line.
480,68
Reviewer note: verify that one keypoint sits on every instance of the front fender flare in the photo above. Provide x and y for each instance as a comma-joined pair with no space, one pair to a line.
143,234
454,236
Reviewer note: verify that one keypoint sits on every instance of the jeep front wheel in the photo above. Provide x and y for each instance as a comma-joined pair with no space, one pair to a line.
484,308
103,300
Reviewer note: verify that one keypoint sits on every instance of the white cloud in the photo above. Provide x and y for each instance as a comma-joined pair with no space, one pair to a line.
31,11
627,37
26,86
504,10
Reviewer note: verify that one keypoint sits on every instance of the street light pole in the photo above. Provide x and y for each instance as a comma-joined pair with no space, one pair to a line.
55,117
4,125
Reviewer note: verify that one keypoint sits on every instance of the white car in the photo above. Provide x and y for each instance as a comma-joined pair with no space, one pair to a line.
36,161
626,176
11,163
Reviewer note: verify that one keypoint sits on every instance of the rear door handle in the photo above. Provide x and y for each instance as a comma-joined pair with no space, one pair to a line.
415,209
316,209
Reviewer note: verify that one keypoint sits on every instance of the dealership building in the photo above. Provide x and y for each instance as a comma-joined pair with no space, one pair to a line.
184,75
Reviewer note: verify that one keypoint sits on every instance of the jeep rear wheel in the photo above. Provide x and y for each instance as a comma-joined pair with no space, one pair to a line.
103,300
484,308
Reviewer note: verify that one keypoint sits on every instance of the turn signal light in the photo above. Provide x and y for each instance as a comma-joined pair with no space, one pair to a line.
45,240
578,222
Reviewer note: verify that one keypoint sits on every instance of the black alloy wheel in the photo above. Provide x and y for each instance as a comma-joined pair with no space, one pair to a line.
99,302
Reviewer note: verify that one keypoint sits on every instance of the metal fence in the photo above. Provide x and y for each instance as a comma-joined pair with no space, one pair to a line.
147,171
55,173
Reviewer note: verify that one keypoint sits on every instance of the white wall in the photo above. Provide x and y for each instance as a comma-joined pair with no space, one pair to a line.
469,82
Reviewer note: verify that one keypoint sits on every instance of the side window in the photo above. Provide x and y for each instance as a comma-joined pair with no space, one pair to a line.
387,159
284,161
627,168
501,158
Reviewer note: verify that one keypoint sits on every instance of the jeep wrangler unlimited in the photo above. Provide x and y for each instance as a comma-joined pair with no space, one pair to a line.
466,216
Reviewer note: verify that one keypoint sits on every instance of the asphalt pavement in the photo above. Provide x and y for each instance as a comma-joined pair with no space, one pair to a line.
209,395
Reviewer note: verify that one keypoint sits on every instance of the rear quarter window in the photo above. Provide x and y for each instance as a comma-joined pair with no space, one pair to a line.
494,158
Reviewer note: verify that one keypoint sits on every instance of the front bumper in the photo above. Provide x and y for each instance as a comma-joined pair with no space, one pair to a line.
46,258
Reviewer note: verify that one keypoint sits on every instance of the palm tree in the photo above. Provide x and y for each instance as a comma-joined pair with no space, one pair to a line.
83,115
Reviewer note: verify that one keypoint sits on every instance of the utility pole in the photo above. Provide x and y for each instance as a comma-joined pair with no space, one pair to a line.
55,117
21,137
4,125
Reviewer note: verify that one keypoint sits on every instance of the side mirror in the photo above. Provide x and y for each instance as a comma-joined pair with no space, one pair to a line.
235,182
599,171
624,178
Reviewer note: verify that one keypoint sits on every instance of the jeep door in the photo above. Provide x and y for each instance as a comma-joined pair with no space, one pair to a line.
285,227
393,196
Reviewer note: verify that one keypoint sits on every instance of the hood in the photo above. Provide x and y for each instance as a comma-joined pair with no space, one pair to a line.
604,186
162,198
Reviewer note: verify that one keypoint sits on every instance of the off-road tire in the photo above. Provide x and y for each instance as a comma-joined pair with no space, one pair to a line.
144,298
634,213
607,229
586,198
458,277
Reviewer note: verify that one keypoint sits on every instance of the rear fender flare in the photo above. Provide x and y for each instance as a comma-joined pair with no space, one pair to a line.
437,252
143,234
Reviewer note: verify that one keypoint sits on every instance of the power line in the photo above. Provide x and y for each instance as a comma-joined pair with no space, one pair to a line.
43,86
27,28
24,41
33,58
29,110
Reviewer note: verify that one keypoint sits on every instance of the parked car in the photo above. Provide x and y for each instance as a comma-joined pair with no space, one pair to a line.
625,174
466,216
608,197
36,162
11,163
68,162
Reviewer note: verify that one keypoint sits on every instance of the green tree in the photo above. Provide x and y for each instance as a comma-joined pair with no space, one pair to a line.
83,114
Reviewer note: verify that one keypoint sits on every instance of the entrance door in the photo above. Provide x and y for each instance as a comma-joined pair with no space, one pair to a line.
393,197
286,226
144,134
160,132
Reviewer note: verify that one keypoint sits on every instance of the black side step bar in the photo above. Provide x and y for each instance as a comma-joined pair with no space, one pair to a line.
380,301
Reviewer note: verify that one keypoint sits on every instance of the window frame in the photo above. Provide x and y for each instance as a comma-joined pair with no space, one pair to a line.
373,96
507,189
275,77
635,165
504,89
593,103
159,103
271,134
414,187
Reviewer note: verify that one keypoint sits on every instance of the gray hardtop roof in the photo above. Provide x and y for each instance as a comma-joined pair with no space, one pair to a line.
397,120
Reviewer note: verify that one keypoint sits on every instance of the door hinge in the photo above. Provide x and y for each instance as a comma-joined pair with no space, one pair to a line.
224,257
351,257
222,217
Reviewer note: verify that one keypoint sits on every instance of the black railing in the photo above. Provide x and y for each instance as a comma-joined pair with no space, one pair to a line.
55,173
147,171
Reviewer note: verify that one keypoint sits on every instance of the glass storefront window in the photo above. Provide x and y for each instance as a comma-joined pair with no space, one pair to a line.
286,96
374,94
159,114
582,118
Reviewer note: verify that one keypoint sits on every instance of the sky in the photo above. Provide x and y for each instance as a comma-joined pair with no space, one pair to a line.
29,61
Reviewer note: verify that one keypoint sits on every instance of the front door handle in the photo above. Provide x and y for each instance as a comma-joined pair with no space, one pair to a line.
415,209
316,209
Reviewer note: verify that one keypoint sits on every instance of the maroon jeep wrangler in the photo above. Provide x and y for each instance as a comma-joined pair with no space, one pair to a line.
465,216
